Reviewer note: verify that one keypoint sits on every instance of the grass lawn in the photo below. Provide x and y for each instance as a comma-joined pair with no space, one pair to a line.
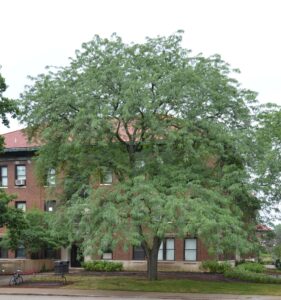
122,283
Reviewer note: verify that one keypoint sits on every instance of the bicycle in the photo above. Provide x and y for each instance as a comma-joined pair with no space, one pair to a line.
16,278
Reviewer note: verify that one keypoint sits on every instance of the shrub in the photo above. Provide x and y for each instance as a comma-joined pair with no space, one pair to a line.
267,261
244,275
214,266
102,266
43,269
252,267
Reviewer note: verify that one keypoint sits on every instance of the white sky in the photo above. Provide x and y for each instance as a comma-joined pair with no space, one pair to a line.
36,33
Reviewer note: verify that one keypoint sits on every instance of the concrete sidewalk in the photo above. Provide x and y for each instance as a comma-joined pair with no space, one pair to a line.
124,295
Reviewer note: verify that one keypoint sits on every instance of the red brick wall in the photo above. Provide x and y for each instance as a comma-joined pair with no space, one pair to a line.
120,254
179,249
33,194
202,252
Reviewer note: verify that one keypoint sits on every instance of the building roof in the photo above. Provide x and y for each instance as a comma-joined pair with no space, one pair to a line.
17,140
262,227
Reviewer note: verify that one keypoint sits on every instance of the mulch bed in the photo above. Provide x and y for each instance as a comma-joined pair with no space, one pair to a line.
41,284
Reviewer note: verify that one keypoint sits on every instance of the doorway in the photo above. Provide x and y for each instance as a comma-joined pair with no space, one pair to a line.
76,257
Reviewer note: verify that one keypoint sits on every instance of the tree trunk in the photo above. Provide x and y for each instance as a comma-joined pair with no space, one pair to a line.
152,259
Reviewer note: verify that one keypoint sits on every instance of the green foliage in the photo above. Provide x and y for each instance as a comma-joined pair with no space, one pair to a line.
242,274
248,271
277,234
251,267
37,234
268,260
44,269
33,232
7,106
267,168
182,116
102,266
4,208
252,272
277,251
214,266
9,216
277,242
12,218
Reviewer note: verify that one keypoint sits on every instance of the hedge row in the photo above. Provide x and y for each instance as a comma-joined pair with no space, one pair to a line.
102,266
249,271
244,275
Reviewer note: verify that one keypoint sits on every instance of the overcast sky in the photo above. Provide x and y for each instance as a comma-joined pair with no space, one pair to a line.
246,33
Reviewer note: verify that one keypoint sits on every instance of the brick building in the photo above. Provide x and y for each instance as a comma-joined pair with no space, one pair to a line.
17,177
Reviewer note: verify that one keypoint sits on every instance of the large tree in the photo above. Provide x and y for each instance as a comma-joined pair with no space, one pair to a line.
173,127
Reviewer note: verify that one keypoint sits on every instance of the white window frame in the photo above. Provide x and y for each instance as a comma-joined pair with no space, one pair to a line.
51,177
166,252
19,176
4,176
18,205
190,249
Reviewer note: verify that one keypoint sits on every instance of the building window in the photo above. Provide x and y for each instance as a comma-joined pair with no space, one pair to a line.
51,177
51,253
107,255
3,176
50,205
190,249
21,205
167,250
20,175
20,252
107,177
3,251
138,253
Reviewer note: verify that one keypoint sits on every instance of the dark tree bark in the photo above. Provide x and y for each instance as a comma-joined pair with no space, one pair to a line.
152,259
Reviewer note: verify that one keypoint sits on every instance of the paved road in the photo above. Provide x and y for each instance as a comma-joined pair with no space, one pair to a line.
30,297
48,294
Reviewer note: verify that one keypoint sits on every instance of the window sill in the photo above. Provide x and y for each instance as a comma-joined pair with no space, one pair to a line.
166,261
3,187
105,183
192,262
20,187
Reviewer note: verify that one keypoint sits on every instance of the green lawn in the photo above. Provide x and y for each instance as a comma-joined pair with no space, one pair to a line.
177,285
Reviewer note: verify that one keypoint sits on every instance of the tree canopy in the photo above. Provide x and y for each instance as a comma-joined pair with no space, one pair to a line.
175,129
